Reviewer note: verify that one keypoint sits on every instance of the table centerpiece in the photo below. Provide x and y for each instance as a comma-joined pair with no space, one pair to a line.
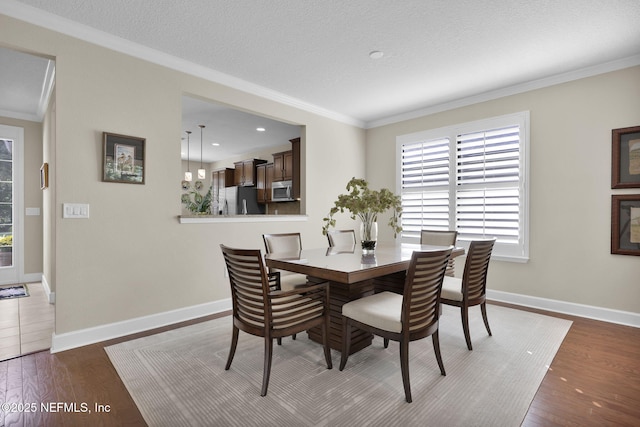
366,204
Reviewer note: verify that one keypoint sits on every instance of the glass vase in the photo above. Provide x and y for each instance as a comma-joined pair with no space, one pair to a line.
368,236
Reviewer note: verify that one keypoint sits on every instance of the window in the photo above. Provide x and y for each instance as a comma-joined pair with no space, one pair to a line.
470,177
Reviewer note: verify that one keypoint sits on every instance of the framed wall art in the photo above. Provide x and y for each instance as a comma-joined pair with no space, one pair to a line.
44,176
625,157
123,158
625,224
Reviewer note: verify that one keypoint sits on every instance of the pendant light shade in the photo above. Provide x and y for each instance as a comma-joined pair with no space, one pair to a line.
187,175
202,174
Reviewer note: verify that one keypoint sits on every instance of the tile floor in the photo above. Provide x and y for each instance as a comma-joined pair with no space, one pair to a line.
26,324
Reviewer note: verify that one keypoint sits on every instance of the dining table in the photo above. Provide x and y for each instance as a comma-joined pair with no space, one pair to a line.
352,274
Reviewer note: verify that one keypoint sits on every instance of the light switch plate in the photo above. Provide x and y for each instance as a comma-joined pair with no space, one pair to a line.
75,210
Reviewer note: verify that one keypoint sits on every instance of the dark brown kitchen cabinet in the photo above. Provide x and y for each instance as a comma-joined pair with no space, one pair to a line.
264,178
283,166
220,179
245,172
295,149
261,182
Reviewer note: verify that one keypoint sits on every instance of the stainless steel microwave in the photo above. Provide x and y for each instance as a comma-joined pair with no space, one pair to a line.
282,191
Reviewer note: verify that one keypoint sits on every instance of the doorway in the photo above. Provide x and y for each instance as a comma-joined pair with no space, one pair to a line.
11,201
26,87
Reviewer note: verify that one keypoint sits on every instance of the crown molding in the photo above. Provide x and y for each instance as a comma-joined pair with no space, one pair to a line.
606,67
83,32
20,116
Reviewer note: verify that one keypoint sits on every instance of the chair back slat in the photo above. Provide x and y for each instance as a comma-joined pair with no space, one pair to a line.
474,279
247,277
290,310
422,289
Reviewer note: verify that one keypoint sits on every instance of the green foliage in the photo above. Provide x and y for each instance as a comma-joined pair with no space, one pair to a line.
197,203
366,204
6,171
6,240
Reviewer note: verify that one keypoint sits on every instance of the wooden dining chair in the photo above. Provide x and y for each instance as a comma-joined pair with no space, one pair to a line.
285,243
261,308
343,239
441,238
403,318
472,288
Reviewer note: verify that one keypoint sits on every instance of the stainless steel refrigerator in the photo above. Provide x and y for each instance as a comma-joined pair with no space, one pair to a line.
237,198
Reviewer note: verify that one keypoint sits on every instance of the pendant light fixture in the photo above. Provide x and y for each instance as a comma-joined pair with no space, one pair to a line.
202,174
187,174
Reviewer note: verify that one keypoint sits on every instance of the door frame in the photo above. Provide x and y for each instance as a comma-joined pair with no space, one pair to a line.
16,133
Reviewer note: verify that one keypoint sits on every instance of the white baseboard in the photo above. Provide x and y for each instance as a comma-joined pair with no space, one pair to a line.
598,313
51,296
67,341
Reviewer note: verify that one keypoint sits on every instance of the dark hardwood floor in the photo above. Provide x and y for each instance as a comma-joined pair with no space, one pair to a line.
594,380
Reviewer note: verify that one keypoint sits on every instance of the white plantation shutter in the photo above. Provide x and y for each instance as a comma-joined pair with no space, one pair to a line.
488,212
487,184
471,178
425,175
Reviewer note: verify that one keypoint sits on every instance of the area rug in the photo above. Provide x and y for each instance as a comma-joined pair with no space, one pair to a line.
177,378
13,291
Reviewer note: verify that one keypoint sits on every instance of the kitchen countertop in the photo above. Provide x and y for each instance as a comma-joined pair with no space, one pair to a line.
212,219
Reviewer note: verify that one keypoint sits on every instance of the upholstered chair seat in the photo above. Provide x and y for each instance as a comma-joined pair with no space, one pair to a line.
452,288
289,280
380,310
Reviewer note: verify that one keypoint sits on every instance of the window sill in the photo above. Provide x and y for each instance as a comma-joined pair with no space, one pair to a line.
216,219
520,260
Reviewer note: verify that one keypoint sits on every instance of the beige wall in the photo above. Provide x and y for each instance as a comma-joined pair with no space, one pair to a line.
132,258
32,192
570,194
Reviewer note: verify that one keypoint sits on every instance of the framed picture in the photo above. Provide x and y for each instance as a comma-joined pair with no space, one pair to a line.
123,158
625,224
625,157
44,176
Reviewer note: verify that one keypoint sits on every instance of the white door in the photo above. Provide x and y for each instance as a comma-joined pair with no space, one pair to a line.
11,195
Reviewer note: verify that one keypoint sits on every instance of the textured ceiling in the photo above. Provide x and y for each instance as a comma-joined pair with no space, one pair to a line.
316,52
24,84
